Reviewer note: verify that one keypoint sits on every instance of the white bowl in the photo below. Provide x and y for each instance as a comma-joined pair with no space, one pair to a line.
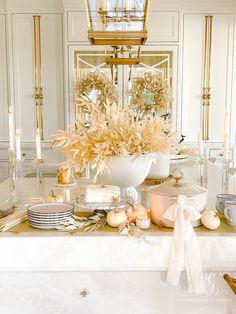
160,168
129,171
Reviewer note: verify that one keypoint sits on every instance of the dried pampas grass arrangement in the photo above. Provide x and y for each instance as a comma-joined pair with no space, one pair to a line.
117,131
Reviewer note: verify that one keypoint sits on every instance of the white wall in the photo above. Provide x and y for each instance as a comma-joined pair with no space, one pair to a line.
170,4
36,5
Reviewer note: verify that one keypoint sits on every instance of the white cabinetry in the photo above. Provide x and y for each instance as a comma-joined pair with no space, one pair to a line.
109,292
163,27
52,73
3,81
193,73
77,26
3,97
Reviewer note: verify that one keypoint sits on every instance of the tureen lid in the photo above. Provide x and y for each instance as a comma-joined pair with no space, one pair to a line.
176,188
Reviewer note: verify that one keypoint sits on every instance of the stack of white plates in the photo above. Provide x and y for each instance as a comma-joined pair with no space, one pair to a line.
48,215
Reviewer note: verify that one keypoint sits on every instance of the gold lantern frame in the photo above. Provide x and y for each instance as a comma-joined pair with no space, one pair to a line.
117,38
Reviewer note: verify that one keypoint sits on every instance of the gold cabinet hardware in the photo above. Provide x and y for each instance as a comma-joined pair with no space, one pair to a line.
41,112
209,52
36,94
84,293
206,90
231,282
38,82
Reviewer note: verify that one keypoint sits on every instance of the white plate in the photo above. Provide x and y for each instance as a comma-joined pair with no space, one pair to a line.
60,185
46,221
50,208
49,218
178,157
43,226
31,214
33,223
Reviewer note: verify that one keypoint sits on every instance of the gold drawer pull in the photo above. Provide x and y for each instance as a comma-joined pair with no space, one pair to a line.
84,293
231,282
206,91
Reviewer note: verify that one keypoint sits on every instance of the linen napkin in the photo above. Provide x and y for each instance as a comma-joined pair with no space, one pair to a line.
12,220
99,193
184,246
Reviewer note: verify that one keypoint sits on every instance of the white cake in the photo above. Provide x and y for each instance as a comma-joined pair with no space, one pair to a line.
99,194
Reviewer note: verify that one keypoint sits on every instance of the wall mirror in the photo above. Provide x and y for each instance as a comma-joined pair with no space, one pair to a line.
157,60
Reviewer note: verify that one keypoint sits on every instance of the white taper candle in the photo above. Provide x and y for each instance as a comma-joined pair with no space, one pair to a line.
18,144
226,146
226,135
104,5
226,122
129,5
200,143
38,144
11,128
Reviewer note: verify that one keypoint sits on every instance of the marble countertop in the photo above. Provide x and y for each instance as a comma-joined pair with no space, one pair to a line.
107,250
26,249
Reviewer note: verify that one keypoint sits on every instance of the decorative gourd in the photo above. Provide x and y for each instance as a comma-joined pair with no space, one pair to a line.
116,217
210,220
55,198
133,210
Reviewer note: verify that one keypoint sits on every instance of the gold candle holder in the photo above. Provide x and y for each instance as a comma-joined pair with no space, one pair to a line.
64,176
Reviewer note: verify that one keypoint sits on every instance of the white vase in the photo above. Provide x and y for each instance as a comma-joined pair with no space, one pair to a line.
160,168
127,173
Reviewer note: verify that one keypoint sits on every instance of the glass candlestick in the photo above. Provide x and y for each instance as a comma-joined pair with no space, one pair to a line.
202,171
39,176
225,175
87,171
12,175
19,181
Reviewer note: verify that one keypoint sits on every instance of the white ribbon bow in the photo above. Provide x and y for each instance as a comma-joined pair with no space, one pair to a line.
184,245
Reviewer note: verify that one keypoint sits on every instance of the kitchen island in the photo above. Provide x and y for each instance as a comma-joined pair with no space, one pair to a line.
96,272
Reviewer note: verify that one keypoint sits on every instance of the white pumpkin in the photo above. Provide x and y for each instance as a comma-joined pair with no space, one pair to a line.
210,220
116,217
55,198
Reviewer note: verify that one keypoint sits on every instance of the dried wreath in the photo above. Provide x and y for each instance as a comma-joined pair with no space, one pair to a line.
151,82
99,81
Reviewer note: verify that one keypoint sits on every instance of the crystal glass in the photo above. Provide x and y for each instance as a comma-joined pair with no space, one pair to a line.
6,208
117,15
226,164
